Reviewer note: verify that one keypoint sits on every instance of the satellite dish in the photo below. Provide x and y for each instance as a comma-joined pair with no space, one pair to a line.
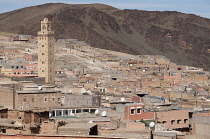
40,87
103,113
152,124
96,112
122,99
107,98
50,114
90,121
89,92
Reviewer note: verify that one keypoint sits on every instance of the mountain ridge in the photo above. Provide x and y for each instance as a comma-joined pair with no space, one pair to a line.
183,38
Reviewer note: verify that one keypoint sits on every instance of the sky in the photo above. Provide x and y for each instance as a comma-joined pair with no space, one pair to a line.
198,7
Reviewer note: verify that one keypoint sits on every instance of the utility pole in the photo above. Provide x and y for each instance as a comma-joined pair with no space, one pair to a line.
13,91
94,57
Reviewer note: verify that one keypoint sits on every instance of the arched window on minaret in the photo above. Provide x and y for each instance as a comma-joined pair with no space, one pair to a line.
43,27
48,27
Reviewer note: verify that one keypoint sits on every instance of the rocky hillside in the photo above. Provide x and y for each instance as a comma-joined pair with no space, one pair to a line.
184,38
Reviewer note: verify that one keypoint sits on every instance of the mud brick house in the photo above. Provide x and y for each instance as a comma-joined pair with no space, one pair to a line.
174,119
29,99
134,111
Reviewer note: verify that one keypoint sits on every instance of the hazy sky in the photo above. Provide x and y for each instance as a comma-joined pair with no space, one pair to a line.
198,7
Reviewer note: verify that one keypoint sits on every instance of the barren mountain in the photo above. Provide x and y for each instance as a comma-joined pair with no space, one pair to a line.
183,38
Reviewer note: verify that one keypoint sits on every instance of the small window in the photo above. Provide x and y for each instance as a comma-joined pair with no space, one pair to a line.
78,111
32,100
138,110
24,99
45,99
43,71
178,121
185,120
132,111
53,99
42,45
163,122
3,130
172,122
43,62
42,53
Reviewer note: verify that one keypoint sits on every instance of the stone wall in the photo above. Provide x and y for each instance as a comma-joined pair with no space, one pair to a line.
201,126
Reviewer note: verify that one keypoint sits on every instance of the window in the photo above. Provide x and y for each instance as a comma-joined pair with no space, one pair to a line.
78,111
132,111
3,130
42,45
43,27
45,99
178,121
185,120
53,99
42,70
24,99
42,53
65,112
32,100
43,62
172,122
138,110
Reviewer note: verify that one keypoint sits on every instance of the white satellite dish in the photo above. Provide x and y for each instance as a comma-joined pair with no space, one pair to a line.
50,114
103,113
152,124
122,99
90,121
96,112
40,87
89,92
107,98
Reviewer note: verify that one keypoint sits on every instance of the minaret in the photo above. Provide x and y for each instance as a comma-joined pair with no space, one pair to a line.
46,52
